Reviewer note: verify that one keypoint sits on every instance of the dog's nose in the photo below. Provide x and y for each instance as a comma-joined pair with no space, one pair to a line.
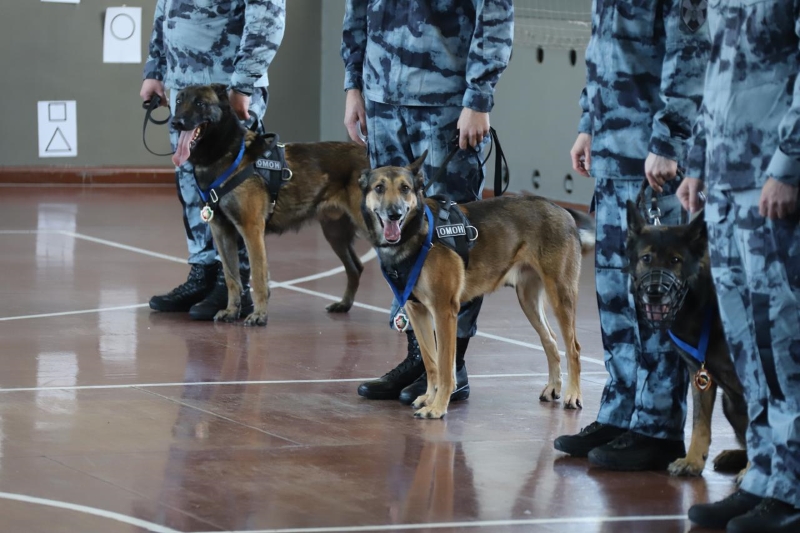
395,216
178,124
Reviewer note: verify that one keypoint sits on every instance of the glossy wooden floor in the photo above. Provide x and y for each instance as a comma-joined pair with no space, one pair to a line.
117,419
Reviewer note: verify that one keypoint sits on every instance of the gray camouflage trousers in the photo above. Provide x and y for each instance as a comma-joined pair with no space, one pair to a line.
755,263
198,233
648,381
397,135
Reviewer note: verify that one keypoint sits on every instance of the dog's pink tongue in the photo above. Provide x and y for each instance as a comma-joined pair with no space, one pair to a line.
391,230
183,149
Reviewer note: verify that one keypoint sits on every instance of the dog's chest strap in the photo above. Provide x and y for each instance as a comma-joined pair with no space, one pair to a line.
271,166
453,229
403,280
222,186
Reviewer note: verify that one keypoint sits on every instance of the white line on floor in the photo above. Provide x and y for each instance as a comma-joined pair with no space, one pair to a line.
478,523
149,526
67,313
262,382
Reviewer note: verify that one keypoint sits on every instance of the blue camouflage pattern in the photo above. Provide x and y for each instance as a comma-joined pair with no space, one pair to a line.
400,134
750,131
645,64
427,52
199,42
755,263
750,128
648,380
198,233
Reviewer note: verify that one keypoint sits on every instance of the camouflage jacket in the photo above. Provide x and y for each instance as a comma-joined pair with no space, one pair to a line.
427,52
645,64
750,127
215,41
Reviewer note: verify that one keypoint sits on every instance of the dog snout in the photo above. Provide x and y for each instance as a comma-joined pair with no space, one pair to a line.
178,124
394,216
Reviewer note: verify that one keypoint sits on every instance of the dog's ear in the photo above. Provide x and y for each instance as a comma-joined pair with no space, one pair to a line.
221,90
416,168
363,180
635,220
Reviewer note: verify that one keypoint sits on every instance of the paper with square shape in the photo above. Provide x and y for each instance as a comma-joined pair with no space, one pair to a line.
58,128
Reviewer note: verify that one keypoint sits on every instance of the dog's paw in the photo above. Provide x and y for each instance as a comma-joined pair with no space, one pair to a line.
430,412
339,307
550,393
731,461
420,402
227,315
573,400
740,475
686,467
256,319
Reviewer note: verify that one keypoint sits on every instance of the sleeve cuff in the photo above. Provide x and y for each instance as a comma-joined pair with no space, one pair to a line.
585,125
153,72
784,168
478,101
674,149
242,83
352,80
696,163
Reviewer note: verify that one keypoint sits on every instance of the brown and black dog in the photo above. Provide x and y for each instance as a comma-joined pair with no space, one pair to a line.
323,187
671,273
525,242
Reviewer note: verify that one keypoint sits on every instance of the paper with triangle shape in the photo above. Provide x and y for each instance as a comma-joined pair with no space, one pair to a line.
58,143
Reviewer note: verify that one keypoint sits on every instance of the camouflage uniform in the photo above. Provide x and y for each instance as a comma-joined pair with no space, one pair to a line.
199,42
418,64
645,65
750,131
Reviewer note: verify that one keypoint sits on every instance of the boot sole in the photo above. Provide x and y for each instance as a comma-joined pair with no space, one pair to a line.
208,317
378,395
614,465
457,396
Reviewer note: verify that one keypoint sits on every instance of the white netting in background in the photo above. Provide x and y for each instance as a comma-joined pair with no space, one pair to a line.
553,23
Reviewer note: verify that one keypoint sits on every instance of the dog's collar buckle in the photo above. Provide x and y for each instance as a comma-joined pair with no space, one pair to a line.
213,195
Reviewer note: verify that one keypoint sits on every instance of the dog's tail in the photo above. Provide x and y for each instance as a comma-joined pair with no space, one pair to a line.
586,229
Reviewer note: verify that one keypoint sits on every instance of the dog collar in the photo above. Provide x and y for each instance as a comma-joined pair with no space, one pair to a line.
702,379
402,297
211,193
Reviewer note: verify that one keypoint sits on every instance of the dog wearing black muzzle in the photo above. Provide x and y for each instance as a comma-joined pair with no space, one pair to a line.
674,291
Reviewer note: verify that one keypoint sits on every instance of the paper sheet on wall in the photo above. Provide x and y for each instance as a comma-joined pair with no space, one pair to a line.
58,129
122,35
63,1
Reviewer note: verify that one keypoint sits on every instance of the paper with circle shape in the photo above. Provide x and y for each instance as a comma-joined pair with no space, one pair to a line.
122,35
58,128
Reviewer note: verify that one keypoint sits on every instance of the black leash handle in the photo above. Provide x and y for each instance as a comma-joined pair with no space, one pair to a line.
501,172
653,213
149,106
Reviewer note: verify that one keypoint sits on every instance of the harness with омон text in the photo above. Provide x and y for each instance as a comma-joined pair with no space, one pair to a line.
270,166
702,379
450,228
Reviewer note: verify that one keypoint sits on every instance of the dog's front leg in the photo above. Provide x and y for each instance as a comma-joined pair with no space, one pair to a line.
252,230
695,460
421,321
444,318
225,237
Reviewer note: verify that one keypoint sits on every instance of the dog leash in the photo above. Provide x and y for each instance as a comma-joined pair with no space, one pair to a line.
149,106
501,172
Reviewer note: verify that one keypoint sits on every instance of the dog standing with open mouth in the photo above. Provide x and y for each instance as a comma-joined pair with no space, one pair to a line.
315,181
525,242
671,274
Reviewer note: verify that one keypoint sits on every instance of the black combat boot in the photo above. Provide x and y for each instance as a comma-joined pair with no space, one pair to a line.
217,299
633,451
197,286
717,515
589,438
418,388
769,516
388,386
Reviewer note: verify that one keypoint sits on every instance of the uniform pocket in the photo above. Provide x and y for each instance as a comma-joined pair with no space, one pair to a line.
634,20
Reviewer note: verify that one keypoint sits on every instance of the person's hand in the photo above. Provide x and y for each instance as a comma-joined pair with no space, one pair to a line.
581,154
151,87
472,126
354,115
240,103
689,194
659,170
778,200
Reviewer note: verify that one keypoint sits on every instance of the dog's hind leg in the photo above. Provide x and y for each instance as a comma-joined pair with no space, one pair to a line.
695,460
562,292
530,295
225,240
422,322
340,234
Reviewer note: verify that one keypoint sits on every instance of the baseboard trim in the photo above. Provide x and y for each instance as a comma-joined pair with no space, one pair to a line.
87,175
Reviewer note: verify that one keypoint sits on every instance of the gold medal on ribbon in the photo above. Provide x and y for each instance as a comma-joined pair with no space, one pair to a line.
206,214
702,379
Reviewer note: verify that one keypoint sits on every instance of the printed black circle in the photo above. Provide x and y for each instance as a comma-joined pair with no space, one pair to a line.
568,184
122,26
